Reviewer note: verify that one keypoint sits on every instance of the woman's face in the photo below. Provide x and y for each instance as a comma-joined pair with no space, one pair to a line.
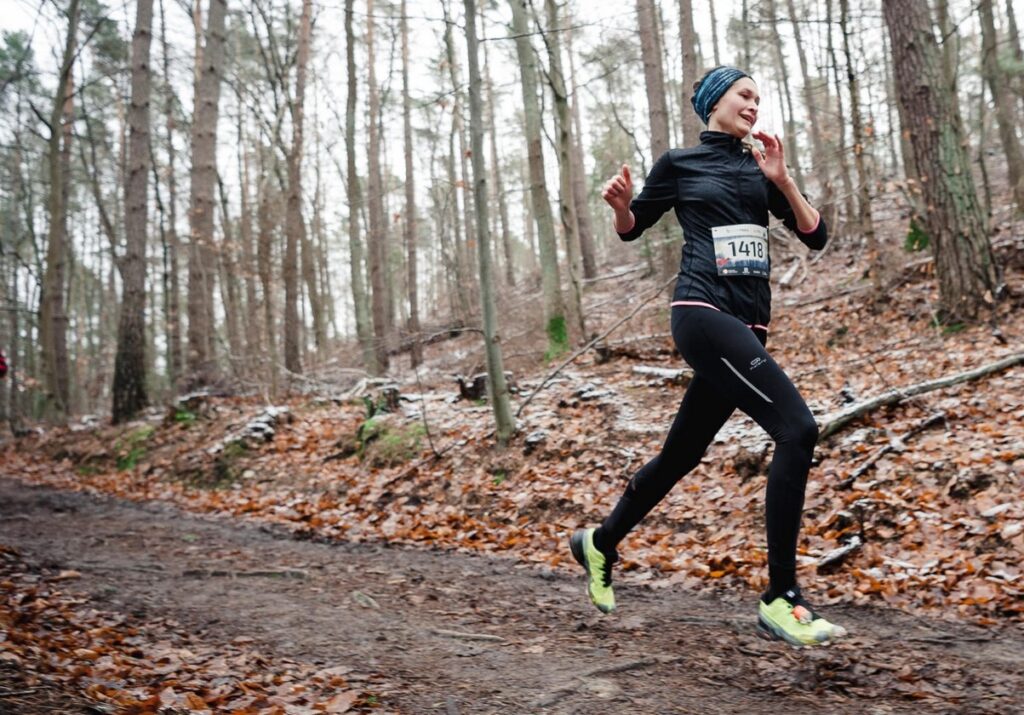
736,111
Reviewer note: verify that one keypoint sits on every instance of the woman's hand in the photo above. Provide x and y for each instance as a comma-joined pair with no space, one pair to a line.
618,190
773,161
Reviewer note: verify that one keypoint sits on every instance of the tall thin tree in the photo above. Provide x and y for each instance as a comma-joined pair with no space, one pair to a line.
295,225
497,386
364,326
202,253
53,312
416,351
377,237
554,307
129,389
1006,118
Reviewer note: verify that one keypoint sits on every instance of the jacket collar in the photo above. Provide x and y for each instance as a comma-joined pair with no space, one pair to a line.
721,139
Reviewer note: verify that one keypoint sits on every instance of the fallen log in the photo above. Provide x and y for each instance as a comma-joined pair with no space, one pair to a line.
833,423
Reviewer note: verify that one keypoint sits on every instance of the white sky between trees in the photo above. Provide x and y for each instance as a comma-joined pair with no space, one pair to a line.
595,23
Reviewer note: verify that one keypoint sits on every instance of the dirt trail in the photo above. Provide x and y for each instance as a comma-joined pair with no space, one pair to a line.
463,633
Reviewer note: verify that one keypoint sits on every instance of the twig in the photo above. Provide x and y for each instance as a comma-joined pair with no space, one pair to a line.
210,573
423,411
873,459
468,636
589,345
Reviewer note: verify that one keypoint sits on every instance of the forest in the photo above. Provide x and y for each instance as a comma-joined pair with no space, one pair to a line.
318,341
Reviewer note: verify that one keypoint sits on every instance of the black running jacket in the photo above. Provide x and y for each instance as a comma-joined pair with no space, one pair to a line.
718,190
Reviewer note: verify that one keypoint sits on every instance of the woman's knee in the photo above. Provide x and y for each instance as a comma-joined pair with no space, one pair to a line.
801,431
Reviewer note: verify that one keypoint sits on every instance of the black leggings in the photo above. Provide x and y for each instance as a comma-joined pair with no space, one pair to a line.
732,369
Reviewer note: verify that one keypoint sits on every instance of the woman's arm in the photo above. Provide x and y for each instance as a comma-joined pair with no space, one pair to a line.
634,217
807,217
785,199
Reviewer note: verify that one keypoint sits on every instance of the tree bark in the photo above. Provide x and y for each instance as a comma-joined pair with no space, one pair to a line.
364,326
964,262
465,252
230,298
792,146
691,73
129,388
264,264
554,310
295,225
377,238
844,162
657,114
820,163
202,256
497,387
416,352
563,143
714,41
172,282
579,176
1006,118
865,222
53,316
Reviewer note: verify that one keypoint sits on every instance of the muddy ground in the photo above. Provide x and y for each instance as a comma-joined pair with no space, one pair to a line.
460,633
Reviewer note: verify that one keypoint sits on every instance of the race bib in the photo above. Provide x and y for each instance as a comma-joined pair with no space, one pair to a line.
741,250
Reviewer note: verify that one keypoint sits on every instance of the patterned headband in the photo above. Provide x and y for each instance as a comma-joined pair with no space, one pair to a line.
712,87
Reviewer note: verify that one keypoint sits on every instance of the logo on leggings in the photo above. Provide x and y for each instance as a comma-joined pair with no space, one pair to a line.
756,363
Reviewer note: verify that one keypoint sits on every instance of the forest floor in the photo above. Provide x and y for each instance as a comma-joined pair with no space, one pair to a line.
169,603
191,562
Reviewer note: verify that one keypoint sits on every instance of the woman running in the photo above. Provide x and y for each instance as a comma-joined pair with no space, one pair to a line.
722,191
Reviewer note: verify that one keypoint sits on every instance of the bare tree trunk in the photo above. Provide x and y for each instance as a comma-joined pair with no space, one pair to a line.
691,73
745,50
466,254
563,143
657,113
229,283
253,339
129,389
416,352
497,387
964,263
202,258
714,43
579,184
264,263
364,326
172,283
53,317
554,309
860,139
378,255
498,173
810,102
1006,118
295,225
844,163
792,147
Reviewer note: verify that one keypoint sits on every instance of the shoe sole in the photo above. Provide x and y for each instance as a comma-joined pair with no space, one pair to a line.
579,553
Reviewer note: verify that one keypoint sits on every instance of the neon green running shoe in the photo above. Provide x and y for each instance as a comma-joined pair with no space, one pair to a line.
790,618
598,566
